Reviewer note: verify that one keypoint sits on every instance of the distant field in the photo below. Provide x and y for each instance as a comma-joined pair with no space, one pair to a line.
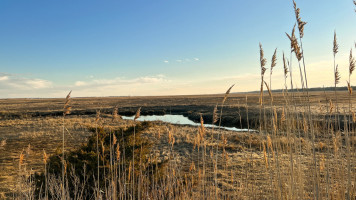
191,106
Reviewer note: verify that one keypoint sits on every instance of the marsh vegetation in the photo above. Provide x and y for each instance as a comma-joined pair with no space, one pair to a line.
82,148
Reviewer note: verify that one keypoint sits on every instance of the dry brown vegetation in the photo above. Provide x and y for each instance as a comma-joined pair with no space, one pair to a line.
304,146
246,162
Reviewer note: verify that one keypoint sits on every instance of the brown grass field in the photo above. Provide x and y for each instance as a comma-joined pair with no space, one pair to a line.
296,144
247,164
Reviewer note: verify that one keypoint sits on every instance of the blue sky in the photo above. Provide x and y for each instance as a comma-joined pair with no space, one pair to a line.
161,47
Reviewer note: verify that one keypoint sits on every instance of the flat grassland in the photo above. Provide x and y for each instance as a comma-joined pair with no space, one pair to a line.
252,164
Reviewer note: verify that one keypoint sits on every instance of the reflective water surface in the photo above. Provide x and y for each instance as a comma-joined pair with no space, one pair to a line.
178,119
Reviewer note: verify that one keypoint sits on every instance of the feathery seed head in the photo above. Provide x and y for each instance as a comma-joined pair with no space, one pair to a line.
301,24
335,46
66,107
262,61
351,63
285,67
274,60
138,113
294,44
227,94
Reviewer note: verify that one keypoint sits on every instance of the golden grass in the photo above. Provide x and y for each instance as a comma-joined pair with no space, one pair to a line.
305,147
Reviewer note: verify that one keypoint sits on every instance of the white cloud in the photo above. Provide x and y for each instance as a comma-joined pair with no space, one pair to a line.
37,83
80,83
185,60
13,81
119,86
4,78
122,81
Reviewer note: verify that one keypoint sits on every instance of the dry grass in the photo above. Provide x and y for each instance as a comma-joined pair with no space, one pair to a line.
304,149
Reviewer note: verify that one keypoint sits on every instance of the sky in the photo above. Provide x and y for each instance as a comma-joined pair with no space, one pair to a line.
164,47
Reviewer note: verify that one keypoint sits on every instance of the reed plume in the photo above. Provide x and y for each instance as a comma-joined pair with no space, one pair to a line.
294,44
263,70
352,63
274,60
262,61
301,23
285,67
227,94
67,108
335,46
138,113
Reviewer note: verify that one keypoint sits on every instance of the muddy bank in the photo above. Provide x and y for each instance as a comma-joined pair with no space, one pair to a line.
237,117
231,117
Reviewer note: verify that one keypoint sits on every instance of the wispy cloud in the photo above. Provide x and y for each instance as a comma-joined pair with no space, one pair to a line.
80,83
183,60
120,86
119,81
17,86
15,81
4,78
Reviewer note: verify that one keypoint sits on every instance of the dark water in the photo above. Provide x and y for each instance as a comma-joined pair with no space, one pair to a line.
178,119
